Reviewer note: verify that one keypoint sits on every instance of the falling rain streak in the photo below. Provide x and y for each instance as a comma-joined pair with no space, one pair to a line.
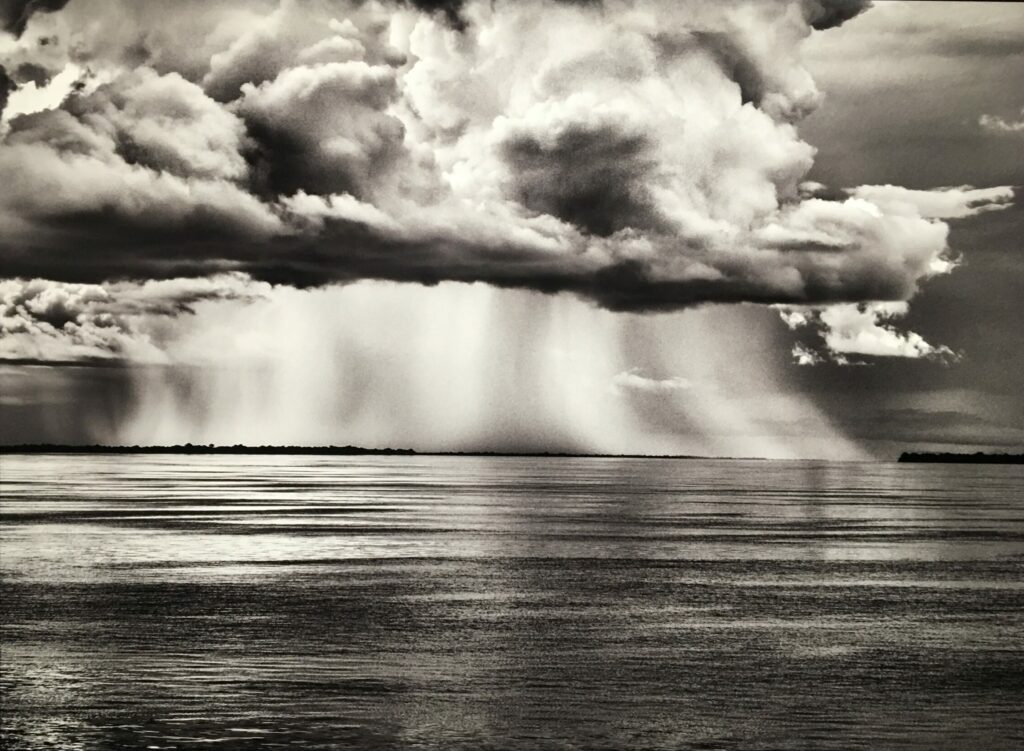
469,367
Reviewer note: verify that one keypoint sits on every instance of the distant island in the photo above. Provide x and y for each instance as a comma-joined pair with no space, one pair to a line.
976,458
239,449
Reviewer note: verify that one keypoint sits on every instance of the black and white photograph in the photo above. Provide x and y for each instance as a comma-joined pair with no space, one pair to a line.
555,375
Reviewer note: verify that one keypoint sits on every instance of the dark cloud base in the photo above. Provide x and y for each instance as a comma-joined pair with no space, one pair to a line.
626,286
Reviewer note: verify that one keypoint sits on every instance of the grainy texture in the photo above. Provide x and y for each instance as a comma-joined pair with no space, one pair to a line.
446,602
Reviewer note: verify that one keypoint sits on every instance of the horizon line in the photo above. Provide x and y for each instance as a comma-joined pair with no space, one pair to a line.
349,450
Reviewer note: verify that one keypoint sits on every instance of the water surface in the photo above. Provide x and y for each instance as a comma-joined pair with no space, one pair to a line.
455,602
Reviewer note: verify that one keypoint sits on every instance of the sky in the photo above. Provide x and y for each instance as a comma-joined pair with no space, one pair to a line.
783,228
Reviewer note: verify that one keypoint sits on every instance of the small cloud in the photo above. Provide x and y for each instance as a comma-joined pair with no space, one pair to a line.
996,124
795,317
859,329
814,189
634,380
810,188
804,355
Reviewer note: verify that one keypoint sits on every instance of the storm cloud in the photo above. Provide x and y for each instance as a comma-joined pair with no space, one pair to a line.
642,155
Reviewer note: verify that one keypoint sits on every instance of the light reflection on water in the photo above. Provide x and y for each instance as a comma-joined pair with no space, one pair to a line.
432,602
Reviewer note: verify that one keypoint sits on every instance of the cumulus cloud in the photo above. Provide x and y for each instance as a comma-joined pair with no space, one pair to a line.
146,154
47,321
634,380
997,124
640,154
941,203
858,329
325,128
804,355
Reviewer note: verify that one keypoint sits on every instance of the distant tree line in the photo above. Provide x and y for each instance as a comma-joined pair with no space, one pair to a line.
952,458
189,448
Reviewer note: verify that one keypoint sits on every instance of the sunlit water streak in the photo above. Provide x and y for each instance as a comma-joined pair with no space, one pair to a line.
431,602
